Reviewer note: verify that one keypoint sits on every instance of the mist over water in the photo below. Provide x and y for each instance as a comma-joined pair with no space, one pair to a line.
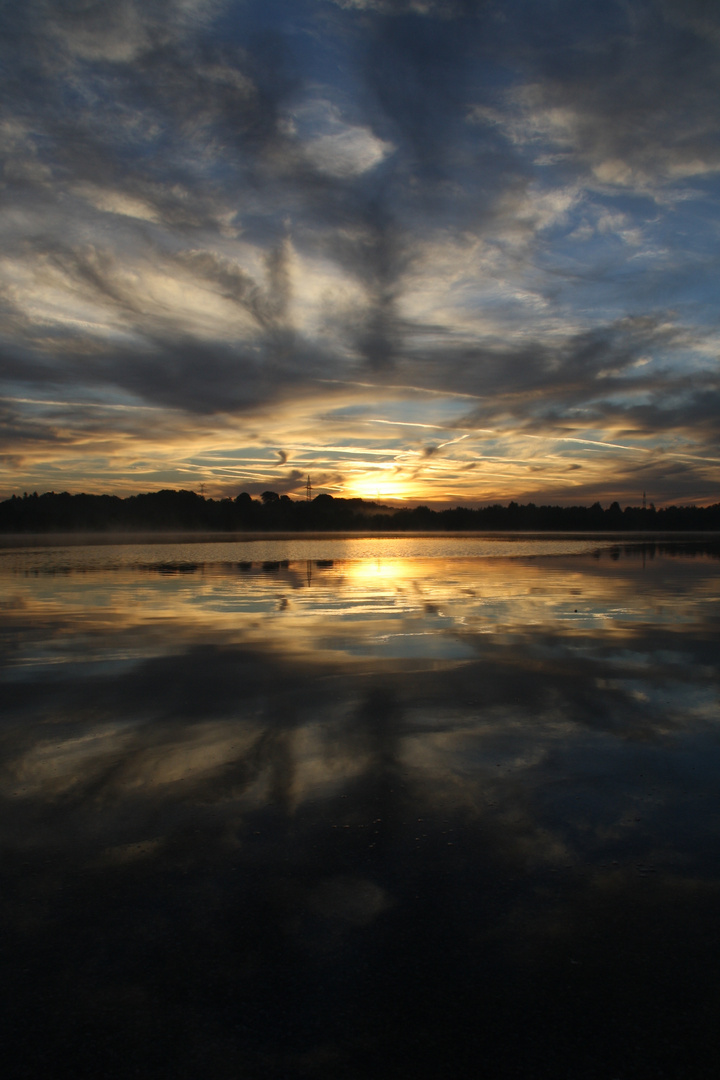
278,810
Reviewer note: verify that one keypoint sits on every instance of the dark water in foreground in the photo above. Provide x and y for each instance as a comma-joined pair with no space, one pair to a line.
298,812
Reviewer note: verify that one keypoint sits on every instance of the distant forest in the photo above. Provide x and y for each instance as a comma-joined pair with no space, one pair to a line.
187,511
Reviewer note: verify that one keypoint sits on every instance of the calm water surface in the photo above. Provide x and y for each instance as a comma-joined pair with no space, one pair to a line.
364,808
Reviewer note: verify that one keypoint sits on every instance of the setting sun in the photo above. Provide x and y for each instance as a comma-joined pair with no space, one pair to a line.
371,489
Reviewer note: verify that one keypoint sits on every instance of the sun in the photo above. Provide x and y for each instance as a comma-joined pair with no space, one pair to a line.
376,490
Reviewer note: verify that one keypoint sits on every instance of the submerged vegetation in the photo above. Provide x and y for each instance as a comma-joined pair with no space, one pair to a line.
185,510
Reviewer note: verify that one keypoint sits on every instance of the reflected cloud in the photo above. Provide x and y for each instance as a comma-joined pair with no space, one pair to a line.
278,811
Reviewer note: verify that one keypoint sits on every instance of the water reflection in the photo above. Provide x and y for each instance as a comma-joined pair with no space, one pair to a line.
330,817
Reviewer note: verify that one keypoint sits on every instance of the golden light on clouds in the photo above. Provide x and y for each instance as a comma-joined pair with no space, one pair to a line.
223,277
336,438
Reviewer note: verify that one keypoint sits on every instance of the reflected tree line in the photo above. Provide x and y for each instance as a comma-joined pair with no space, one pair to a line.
186,510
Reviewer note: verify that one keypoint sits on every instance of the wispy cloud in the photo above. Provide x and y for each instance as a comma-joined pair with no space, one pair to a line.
290,226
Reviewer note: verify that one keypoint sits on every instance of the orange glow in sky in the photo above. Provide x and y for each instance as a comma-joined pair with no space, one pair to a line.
442,262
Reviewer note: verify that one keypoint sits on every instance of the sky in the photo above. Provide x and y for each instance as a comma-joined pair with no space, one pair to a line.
450,252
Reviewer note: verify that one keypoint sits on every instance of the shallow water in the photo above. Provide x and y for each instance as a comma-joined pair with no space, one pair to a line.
361,808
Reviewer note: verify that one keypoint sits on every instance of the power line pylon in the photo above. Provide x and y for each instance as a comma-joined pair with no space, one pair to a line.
308,490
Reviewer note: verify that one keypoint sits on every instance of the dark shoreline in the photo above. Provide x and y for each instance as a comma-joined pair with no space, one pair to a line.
186,512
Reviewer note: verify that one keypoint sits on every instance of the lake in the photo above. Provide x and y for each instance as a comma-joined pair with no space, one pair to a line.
323,808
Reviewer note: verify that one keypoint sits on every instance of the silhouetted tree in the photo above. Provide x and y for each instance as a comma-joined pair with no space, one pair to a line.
185,510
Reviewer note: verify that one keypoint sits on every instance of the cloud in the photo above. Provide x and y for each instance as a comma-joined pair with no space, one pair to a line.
332,146
436,8
117,202
222,210
631,102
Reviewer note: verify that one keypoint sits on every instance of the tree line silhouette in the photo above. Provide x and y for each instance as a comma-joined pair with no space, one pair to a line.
185,510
